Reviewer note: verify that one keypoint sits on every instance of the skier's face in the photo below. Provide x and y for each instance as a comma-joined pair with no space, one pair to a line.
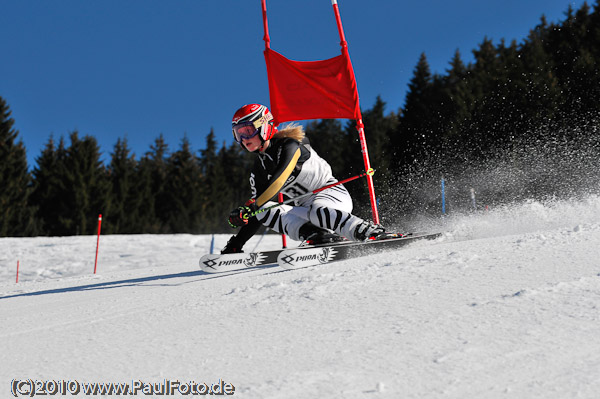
252,144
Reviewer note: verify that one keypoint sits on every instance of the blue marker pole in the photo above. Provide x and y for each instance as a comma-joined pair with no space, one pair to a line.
443,196
212,244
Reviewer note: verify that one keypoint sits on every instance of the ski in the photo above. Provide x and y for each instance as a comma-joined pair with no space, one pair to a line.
303,256
311,256
219,263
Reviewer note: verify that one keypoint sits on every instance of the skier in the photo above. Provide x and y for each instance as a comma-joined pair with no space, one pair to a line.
286,163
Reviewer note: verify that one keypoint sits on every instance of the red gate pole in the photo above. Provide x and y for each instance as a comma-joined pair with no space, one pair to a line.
365,153
266,37
17,271
359,123
98,241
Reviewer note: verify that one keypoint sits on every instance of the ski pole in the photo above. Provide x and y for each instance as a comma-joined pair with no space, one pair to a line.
369,172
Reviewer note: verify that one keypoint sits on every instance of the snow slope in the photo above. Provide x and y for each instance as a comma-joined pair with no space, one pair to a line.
505,305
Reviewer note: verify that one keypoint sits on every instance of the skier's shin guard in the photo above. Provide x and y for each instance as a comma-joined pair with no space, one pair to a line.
341,222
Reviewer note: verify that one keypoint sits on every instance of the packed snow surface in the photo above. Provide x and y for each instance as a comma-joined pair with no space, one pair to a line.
505,305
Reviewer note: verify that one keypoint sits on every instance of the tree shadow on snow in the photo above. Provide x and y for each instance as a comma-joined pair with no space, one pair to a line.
204,276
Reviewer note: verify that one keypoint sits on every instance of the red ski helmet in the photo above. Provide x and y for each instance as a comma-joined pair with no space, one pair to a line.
250,120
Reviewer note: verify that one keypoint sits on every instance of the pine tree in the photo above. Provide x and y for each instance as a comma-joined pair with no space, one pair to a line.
127,192
459,107
539,94
184,190
594,30
236,164
513,113
16,215
216,189
153,170
147,221
329,140
71,187
415,118
379,132
586,76
49,188
484,85
575,67
87,186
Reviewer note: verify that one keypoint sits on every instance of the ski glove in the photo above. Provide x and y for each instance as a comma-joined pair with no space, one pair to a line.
239,216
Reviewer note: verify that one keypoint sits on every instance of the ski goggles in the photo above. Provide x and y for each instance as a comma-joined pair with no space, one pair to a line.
244,131
247,130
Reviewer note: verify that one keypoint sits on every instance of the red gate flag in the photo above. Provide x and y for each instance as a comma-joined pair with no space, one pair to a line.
302,90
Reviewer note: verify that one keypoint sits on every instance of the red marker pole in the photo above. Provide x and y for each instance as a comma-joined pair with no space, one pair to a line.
17,271
98,241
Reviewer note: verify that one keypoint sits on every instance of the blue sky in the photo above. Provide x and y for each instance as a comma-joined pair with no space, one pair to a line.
137,68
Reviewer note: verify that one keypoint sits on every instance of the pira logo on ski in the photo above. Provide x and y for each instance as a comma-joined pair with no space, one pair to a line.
231,262
215,263
249,261
324,255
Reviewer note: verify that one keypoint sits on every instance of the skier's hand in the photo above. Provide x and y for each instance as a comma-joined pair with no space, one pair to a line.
239,216
234,246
